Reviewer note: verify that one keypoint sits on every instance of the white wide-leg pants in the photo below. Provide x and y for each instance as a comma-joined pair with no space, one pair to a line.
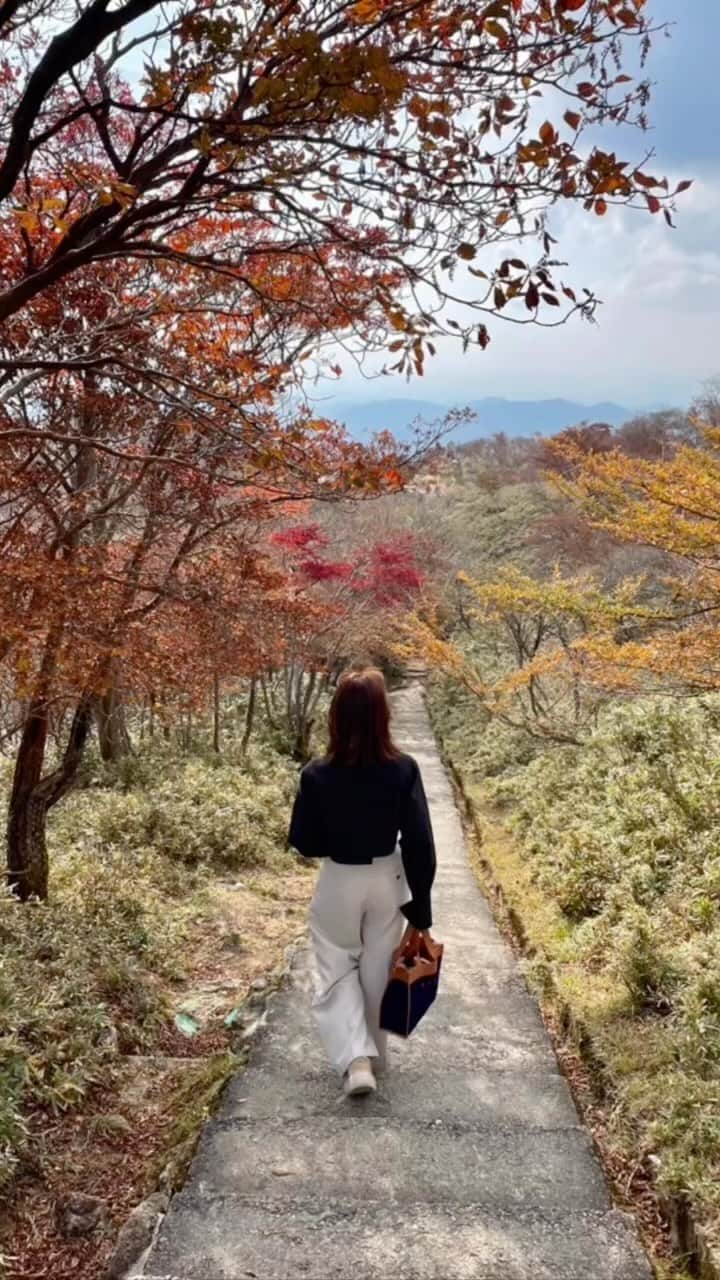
356,924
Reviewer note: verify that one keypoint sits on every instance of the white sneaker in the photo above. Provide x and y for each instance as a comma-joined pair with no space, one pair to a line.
359,1078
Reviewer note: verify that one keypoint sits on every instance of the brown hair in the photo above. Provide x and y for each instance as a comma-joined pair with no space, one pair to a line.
359,720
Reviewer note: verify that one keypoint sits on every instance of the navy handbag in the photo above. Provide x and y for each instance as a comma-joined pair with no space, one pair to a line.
412,988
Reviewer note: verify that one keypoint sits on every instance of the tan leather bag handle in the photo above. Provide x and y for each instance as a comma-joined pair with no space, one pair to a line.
417,959
425,948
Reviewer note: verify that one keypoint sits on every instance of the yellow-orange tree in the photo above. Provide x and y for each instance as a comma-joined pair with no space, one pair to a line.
672,506
566,643
527,661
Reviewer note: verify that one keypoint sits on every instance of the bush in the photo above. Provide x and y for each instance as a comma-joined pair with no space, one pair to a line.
74,974
622,831
79,976
620,837
487,748
188,810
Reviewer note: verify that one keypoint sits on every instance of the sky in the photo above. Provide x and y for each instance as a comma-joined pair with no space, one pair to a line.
656,340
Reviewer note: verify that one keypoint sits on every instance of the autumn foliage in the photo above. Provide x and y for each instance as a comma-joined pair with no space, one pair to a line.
132,532
672,506
199,207
400,134
572,642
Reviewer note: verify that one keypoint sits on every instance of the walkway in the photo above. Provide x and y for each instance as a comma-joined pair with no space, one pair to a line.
469,1164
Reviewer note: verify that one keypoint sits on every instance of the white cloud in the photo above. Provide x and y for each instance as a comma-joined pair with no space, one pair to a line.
656,336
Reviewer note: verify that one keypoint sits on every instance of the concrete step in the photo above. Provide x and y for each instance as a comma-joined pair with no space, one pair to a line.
469,1028
492,1099
380,1160
471,954
498,1042
229,1238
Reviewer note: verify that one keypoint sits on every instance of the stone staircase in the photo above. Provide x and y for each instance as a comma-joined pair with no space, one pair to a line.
470,1163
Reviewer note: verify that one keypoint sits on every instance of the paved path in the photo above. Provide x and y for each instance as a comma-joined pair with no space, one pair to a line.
469,1164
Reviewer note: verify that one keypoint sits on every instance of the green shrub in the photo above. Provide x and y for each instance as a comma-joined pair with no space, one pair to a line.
79,975
639,958
621,836
188,810
487,748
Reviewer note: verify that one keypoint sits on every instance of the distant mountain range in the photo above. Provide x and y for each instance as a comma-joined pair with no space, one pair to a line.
514,417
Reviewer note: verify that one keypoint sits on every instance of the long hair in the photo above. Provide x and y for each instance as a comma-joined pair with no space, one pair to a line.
359,720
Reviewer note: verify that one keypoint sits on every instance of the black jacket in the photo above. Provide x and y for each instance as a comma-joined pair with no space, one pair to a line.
355,813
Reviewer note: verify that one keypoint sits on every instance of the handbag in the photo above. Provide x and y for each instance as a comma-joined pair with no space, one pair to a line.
412,987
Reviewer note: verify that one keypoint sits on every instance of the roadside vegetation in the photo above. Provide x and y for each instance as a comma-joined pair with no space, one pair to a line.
607,855
120,998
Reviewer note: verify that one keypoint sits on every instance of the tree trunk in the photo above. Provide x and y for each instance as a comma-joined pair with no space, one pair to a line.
301,745
216,713
301,739
112,730
249,717
269,709
26,852
32,796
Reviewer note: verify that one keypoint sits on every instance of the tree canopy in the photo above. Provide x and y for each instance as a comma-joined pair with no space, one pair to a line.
198,205
400,133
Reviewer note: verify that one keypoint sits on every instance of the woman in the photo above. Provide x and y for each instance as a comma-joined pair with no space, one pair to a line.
350,809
